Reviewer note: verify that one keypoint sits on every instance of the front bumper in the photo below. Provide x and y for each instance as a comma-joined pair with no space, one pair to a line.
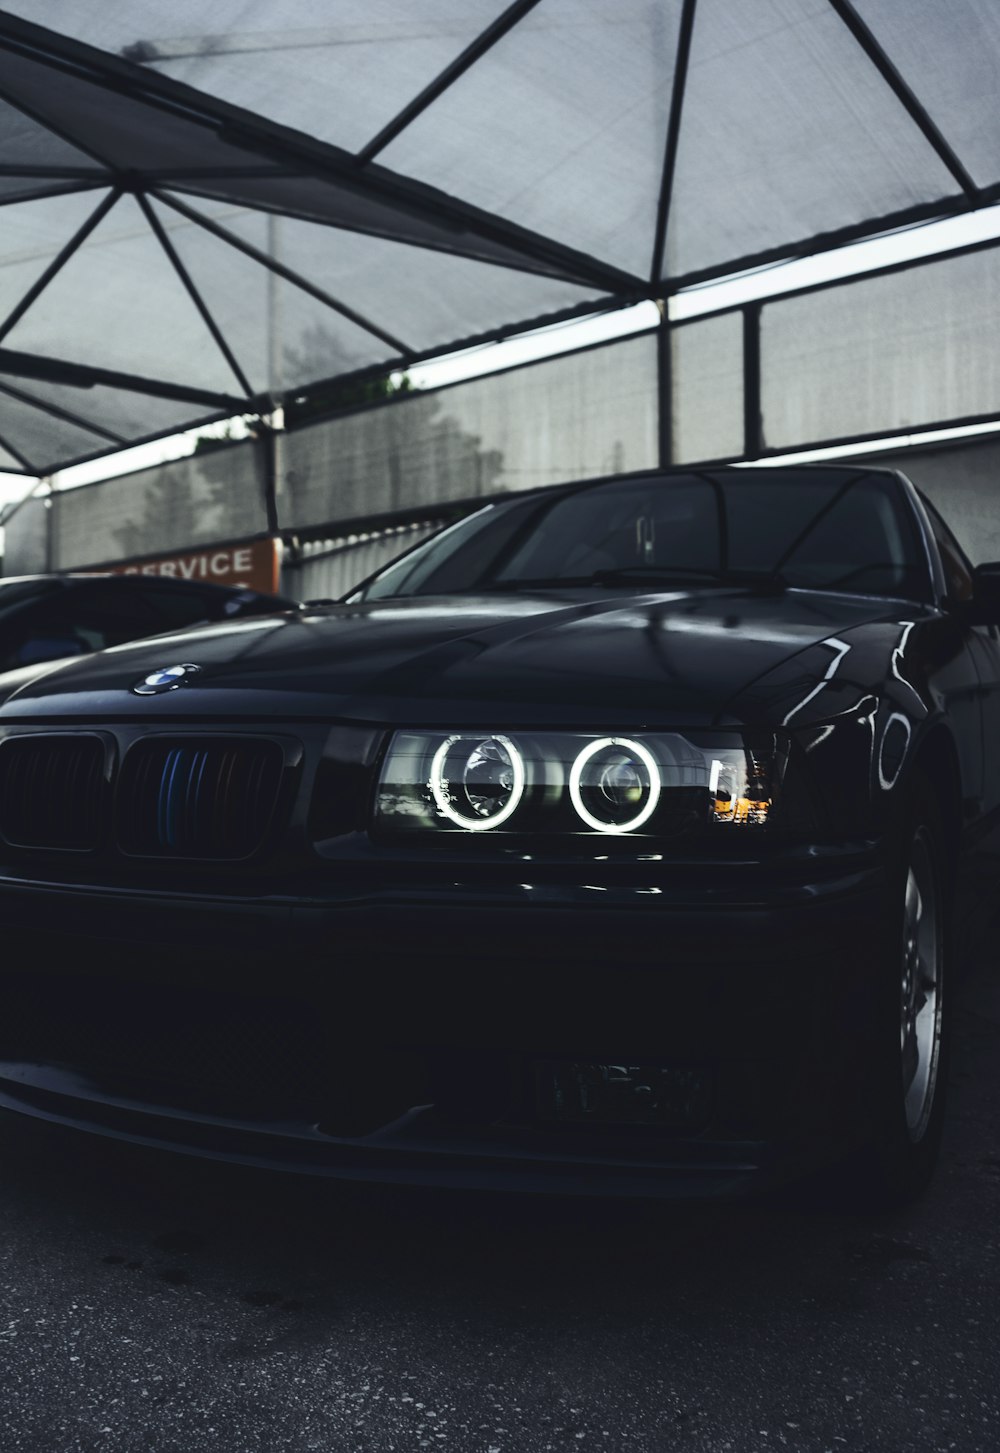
403,1035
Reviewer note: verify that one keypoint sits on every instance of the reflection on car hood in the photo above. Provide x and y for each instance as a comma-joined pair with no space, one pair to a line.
18,676
620,656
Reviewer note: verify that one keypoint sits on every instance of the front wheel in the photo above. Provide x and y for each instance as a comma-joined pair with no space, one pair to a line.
907,1087
921,989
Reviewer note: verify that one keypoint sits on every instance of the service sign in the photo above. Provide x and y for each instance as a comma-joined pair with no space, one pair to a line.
254,565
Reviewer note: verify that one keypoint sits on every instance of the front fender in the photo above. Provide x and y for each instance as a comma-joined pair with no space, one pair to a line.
856,715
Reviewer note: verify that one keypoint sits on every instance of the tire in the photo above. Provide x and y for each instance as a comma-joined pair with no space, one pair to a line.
906,1099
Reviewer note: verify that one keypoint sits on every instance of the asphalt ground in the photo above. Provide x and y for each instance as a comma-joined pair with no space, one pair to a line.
152,1304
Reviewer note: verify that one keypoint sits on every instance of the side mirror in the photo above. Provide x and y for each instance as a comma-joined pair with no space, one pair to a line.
985,603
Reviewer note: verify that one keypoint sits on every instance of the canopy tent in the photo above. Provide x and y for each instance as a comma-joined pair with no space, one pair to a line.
194,223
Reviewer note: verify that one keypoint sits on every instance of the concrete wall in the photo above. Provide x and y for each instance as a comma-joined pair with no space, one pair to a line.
962,479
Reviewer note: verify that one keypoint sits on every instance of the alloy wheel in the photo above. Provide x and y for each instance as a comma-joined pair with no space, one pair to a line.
920,987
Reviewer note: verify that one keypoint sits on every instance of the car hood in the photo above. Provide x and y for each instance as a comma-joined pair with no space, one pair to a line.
624,657
18,676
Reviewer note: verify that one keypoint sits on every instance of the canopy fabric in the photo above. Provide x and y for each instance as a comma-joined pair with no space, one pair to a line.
197,221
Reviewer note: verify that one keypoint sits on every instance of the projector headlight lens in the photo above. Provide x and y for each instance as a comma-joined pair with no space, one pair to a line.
614,784
570,783
477,782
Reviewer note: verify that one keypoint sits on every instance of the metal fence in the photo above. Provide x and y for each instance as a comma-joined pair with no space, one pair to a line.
901,349
584,413
897,350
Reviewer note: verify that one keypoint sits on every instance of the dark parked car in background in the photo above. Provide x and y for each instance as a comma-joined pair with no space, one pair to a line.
613,840
49,618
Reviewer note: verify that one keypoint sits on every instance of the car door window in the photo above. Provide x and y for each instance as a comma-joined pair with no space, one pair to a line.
955,563
78,620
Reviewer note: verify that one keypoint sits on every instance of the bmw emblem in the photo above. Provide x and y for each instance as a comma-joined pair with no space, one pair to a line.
166,679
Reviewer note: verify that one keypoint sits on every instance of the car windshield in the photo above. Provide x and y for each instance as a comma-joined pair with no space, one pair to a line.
830,529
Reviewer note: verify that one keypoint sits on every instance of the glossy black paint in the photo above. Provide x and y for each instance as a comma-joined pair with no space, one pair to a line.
432,979
47,618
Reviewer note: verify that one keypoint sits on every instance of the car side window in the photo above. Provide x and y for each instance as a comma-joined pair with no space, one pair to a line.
38,632
954,561
75,622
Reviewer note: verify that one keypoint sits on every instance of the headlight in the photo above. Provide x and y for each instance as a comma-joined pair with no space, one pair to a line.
614,784
477,782
660,784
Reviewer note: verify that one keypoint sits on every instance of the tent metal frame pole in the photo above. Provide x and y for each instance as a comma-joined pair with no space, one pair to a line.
476,48
664,392
291,149
888,269
55,411
56,130
753,440
829,241
918,113
168,247
71,187
50,525
681,60
917,433
401,399
320,158
550,258
898,431
9,510
268,442
55,370
56,173
61,258
272,264
154,438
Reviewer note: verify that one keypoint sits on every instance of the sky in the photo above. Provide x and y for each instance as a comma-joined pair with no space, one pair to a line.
920,241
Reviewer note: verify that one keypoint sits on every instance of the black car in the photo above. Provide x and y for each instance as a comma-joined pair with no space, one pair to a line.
614,840
46,618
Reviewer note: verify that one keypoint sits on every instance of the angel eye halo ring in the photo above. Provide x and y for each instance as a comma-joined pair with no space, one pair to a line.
555,782
638,754
493,769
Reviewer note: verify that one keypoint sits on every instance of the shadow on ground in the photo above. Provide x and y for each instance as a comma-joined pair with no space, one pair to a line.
154,1302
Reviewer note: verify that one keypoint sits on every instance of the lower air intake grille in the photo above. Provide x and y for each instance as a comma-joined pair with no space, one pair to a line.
52,791
198,797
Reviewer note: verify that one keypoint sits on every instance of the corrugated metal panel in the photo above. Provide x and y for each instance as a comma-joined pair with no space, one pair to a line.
328,569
